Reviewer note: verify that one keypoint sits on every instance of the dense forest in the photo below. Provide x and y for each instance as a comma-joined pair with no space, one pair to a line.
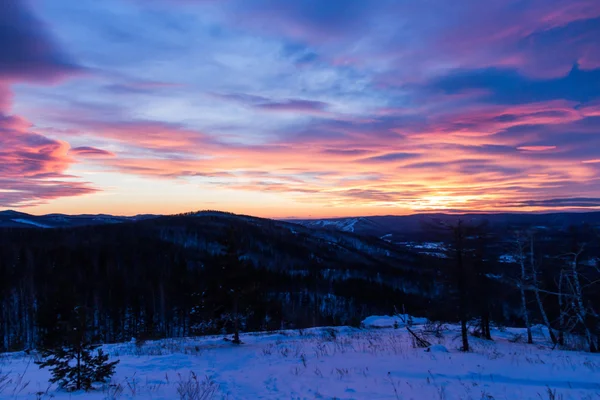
213,272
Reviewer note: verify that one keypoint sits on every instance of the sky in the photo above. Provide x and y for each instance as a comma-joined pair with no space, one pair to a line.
303,108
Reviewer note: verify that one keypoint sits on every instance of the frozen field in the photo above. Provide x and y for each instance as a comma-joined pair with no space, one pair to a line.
328,363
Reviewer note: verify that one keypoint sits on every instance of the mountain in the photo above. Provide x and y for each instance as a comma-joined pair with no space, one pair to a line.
389,227
15,219
418,226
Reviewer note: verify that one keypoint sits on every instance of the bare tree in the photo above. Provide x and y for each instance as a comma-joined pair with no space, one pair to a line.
519,253
536,289
577,301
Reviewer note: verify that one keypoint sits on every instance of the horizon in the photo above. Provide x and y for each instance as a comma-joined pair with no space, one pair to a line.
334,109
291,218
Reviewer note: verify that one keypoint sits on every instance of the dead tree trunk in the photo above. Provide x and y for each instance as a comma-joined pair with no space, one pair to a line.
462,285
236,320
536,291
520,253
578,302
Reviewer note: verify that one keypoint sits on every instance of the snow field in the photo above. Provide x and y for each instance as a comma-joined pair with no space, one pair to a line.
328,363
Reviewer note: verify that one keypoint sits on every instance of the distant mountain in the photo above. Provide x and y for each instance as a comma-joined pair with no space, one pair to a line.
418,226
391,228
15,219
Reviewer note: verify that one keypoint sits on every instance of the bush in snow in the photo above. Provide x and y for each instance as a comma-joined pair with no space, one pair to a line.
192,388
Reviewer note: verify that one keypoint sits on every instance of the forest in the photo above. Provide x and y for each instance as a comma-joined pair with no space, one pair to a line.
210,272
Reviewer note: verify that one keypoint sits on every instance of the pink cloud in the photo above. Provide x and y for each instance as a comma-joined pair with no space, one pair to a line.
150,135
91,152
536,148
32,166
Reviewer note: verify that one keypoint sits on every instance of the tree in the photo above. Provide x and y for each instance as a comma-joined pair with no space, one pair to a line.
230,285
457,252
536,289
576,288
578,291
481,285
461,274
519,253
72,361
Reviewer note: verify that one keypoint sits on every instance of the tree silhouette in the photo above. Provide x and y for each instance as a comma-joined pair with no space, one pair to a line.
75,362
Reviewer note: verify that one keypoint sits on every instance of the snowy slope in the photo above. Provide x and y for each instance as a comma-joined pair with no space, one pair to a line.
15,219
330,363
27,222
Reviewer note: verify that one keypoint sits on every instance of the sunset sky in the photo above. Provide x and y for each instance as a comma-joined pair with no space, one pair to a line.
299,108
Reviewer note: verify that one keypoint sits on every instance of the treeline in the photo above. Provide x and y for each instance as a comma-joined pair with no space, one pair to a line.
538,275
221,273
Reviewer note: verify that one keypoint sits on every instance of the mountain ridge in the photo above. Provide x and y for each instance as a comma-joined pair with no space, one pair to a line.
399,226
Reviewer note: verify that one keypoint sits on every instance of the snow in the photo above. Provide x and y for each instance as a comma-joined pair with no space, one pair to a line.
344,225
378,321
437,348
329,363
507,258
387,237
28,222
433,249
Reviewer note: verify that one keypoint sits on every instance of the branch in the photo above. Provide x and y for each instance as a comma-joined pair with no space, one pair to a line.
520,285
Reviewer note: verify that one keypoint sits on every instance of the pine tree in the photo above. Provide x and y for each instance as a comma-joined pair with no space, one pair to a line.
74,361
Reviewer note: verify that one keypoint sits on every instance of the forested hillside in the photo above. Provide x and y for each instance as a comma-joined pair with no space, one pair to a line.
152,278
207,272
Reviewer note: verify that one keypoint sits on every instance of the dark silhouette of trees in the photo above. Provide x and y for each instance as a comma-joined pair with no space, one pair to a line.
482,286
470,263
75,362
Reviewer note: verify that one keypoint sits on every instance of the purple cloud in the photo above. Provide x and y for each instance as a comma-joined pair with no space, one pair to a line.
294,105
28,52
86,151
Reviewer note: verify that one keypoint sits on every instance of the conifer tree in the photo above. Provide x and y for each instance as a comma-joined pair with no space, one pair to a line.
73,360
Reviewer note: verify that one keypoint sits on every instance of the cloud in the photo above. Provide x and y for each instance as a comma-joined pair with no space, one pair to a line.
536,148
391,157
32,166
538,38
346,152
310,19
28,53
267,104
86,151
139,87
345,105
162,138
509,87
575,202
293,105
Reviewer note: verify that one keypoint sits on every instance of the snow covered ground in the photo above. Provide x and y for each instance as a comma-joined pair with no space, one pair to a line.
329,363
